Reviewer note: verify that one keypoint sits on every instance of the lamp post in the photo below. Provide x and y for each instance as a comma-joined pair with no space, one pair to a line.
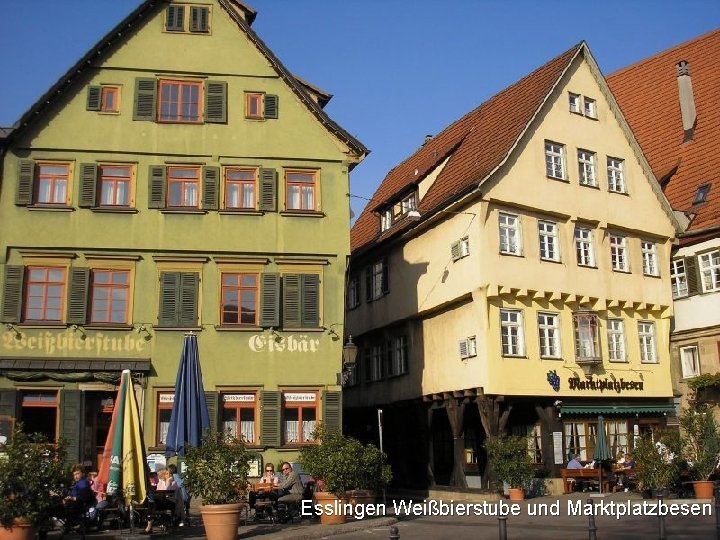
349,354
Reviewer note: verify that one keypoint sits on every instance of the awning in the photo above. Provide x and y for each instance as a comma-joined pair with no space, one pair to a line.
73,364
645,408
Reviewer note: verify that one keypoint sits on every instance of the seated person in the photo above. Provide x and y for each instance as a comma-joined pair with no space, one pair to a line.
80,496
574,462
629,462
271,479
291,486
184,499
166,483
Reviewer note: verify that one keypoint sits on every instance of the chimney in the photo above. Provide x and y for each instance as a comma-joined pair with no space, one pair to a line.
687,101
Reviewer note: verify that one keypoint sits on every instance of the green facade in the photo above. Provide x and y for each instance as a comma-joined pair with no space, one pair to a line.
152,220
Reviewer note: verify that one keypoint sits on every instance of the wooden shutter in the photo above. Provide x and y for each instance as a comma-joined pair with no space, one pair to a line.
310,298
463,348
692,275
268,190
156,186
175,18
88,184
12,293
269,300
8,402
94,98
270,402
26,181
145,98
211,188
211,398
455,251
332,410
271,106
78,296
216,102
199,19
291,307
71,415
188,296
169,292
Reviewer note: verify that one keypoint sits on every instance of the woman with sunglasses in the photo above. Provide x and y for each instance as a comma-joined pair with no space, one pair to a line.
267,483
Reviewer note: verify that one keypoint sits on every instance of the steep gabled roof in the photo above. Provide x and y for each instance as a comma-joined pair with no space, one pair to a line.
242,15
476,145
647,92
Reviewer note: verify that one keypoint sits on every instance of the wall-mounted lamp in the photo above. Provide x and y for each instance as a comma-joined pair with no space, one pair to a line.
142,329
332,332
274,334
75,328
10,328
349,357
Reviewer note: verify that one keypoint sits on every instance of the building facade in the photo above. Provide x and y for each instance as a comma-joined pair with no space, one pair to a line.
682,147
176,179
513,276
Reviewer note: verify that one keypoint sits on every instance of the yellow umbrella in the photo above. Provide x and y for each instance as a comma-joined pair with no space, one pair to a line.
134,477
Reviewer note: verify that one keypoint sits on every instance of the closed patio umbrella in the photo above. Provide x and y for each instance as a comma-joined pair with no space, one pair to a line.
189,416
601,452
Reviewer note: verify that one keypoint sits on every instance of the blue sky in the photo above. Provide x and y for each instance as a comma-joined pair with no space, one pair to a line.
399,69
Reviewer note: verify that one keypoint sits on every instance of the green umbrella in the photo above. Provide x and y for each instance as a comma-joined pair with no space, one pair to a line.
601,452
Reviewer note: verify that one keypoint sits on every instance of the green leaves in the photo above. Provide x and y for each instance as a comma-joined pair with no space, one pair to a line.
508,455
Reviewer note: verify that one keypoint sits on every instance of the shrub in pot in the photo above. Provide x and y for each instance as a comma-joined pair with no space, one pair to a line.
658,462
509,459
33,477
701,446
217,472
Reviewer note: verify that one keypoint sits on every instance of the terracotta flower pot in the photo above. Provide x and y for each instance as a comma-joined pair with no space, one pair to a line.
516,494
20,530
221,520
332,511
703,489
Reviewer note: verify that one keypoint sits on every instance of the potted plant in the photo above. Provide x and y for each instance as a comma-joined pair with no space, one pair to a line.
658,462
32,476
344,466
701,446
217,472
508,457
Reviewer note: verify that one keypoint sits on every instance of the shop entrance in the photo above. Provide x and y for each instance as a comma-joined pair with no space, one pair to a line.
98,413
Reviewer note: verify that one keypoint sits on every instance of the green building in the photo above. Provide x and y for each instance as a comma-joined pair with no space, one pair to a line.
178,178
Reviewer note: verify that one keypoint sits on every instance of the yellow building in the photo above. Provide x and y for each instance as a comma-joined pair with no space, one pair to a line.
512,275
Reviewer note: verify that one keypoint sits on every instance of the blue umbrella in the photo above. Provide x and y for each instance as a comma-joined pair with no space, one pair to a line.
189,417
601,452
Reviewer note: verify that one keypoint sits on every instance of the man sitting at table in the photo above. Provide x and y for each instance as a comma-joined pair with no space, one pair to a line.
574,462
291,486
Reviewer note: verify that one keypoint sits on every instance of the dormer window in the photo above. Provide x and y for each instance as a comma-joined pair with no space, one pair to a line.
397,211
386,220
702,193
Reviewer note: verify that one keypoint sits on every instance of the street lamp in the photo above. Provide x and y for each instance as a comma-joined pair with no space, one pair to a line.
349,355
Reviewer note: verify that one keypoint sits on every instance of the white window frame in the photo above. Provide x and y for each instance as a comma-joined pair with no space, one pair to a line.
460,249
509,231
710,270
649,258
512,337
398,350
467,347
587,336
353,292
690,361
555,160
549,335
386,220
586,168
678,278
616,175
548,240
646,338
589,107
617,351
619,253
574,104
584,247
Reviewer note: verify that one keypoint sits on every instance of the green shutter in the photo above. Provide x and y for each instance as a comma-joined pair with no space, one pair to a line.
291,310
211,398
216,102
12,293
332,410
71,416
94,98
8,402
156,186
310,301
26,180
145,99
271,106
169,293
88,184
189,286
268,190
199,19
269,300
174,18
78,297
211,188
693,276
270,429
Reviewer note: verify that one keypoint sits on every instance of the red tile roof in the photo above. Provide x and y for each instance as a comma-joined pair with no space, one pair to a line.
647,93
476,144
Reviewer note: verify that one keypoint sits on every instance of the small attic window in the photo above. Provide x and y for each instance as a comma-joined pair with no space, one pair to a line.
702,193
397,211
